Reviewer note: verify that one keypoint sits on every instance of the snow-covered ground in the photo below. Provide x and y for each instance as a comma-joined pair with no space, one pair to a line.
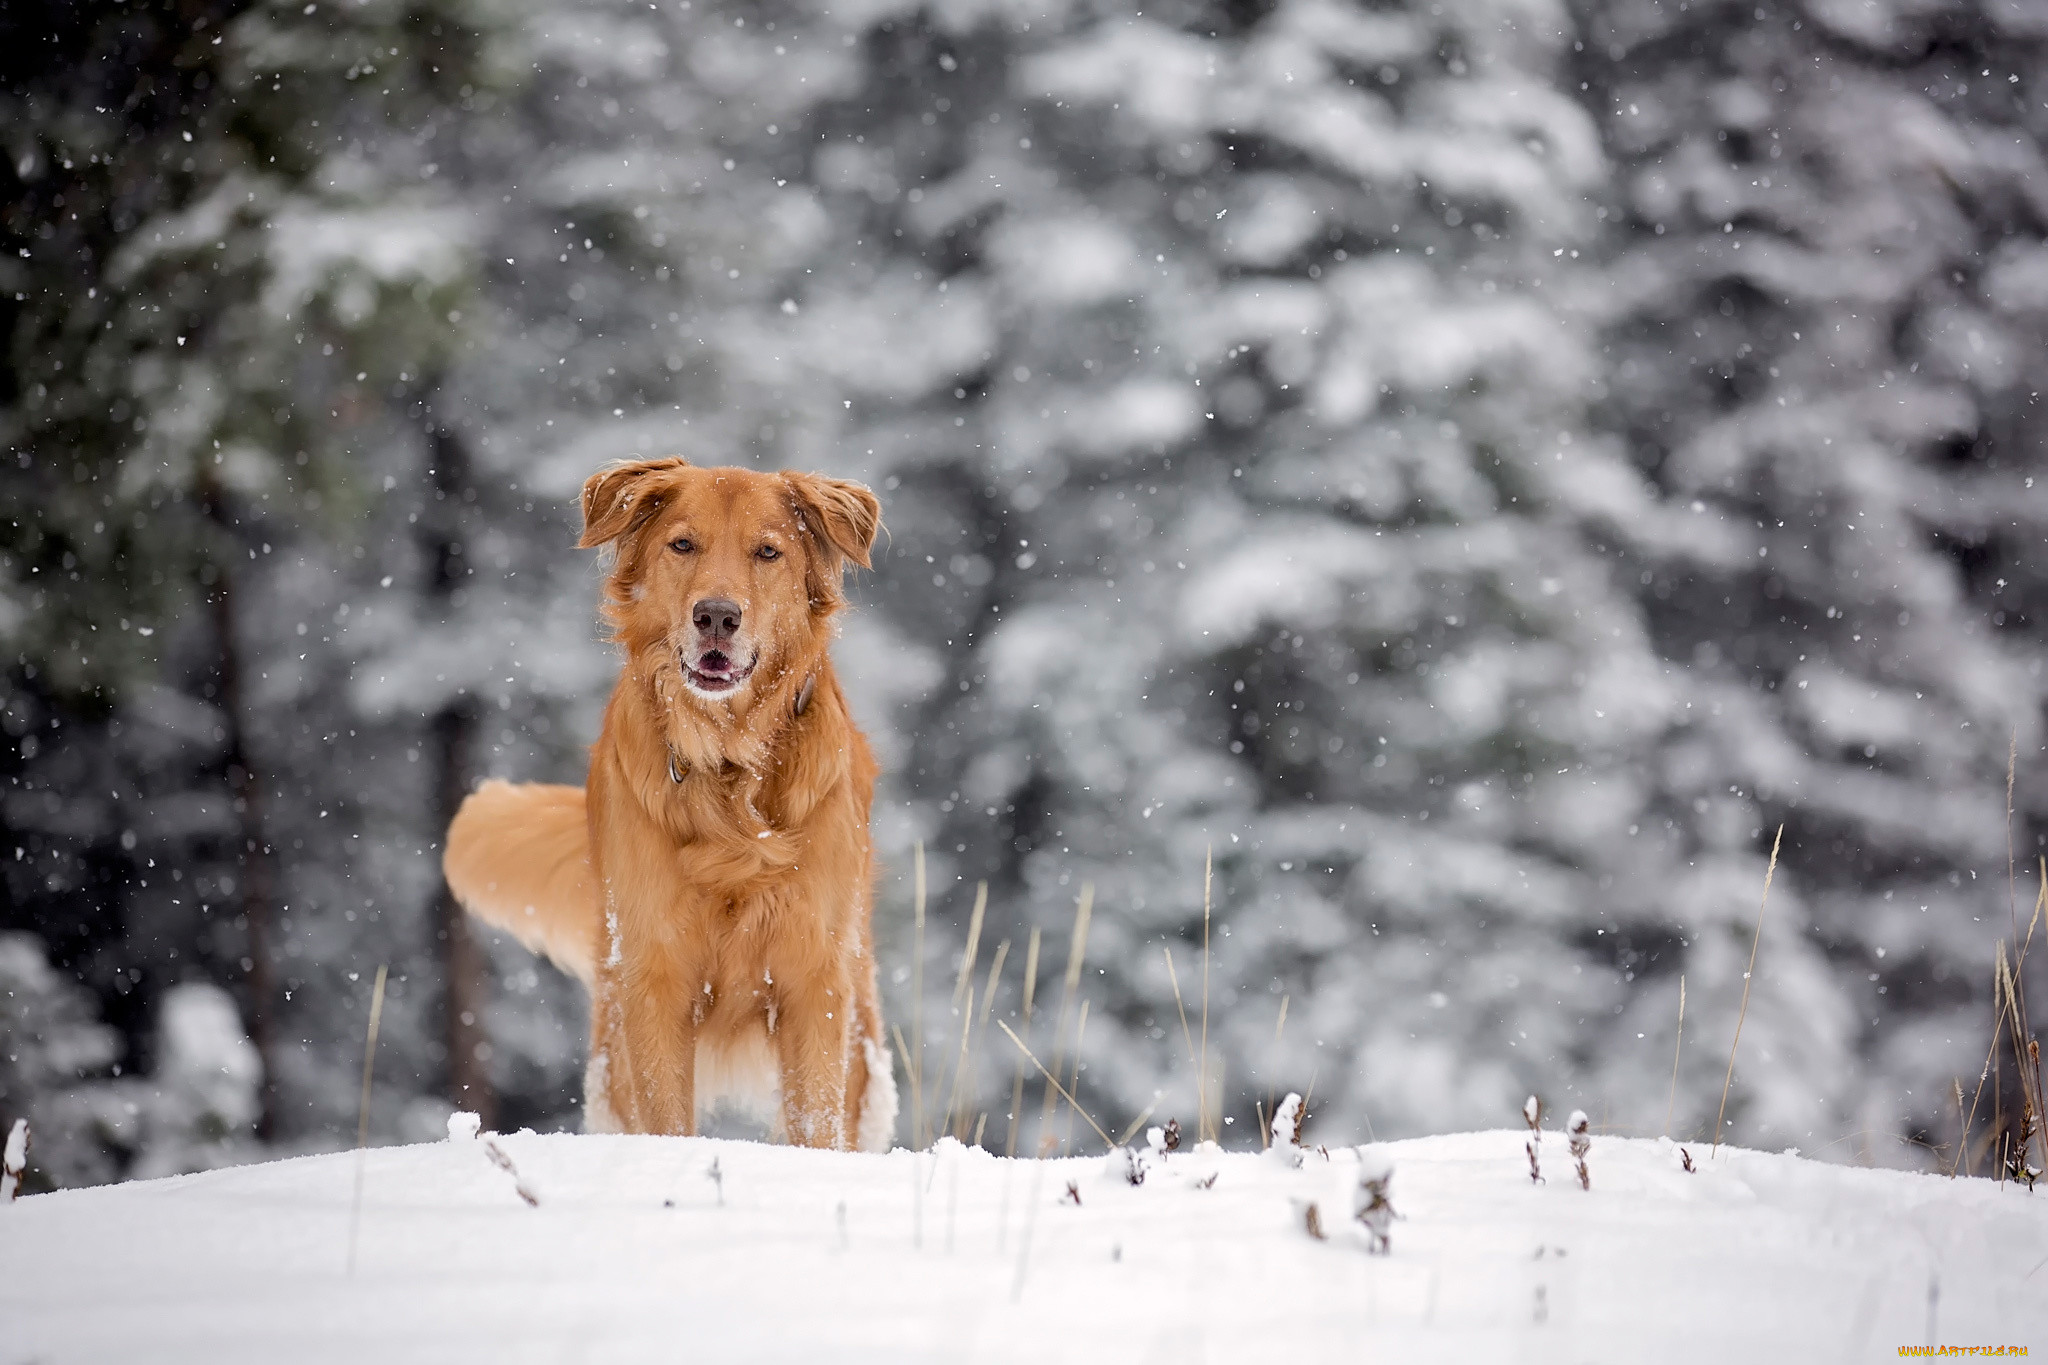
636,1252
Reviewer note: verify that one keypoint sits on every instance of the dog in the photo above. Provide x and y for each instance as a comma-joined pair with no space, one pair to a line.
712,884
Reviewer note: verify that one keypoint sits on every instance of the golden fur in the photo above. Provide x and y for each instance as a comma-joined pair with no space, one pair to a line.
713,884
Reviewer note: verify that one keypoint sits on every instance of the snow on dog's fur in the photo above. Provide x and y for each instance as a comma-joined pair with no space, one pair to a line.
713,884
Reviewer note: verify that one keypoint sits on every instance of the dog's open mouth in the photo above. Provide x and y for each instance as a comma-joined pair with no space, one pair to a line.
717,673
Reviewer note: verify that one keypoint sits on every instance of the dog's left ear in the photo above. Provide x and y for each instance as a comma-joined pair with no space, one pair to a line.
621,497
846,516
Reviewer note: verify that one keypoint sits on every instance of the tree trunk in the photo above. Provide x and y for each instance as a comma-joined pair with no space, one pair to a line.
454,731
258,881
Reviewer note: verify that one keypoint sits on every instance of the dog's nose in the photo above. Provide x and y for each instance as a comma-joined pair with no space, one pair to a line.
718,617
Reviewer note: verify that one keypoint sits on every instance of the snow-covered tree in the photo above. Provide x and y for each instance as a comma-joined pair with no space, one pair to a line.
1825,313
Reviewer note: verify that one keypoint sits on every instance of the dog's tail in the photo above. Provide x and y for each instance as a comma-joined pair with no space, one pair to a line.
519,858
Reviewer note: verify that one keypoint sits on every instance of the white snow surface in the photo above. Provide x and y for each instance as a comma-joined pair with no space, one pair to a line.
636,1253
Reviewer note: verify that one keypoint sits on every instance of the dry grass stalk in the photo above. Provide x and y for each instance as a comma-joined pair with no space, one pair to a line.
1743,1014
902,1049
1187,1035
2026,1066
1532,1114
1963,1127
1671,1104
1312,1218
915,1062
1017,1089
2026,1050
1053,1081
13,1160
1216,1093
1202,1071
1137,1123
1970,1121
959,1064
995,974
956,1104
1998,1027
1685,1160
1581,1144
967,959
504,1163
1074,1082
1077,951
2012,909
1279,1032
355,1216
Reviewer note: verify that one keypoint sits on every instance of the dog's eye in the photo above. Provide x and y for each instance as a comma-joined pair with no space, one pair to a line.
681,545
767,552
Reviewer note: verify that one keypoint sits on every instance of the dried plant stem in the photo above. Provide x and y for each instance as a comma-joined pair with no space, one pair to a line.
1017,1088
355,1216
995,973
1997,1033
1074,1082
957,1096
524,1191
1186,1034
1137,1123
915,1060
962,988
2012,910
1671,1104
968,958
1963,1134
903,1051
2026,1059
1279,1032
1053,1081
1202,1072
1077,951
1742,1014
959,1063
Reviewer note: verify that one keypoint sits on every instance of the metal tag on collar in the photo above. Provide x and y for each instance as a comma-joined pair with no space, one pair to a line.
803,696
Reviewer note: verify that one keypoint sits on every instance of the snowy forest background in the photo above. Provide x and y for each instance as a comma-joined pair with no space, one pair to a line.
1479,465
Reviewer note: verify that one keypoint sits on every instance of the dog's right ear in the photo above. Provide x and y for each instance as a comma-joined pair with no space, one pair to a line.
621,497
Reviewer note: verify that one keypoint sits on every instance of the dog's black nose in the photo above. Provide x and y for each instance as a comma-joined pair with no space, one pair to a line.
718,617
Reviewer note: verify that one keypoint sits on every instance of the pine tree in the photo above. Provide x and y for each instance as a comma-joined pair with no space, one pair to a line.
1263,517
1823,342
201,266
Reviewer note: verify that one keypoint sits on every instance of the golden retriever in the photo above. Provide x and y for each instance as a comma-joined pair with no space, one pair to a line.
712,885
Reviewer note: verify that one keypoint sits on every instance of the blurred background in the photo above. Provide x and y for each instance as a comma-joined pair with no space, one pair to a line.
1475,467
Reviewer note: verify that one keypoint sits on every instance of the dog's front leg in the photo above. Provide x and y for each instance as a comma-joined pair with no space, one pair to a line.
651,974
661,1039
611,1101
814,1029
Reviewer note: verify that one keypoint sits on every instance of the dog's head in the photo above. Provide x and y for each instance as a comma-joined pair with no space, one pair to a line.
734,573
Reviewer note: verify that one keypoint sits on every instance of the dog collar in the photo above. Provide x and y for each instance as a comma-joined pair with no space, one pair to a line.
676,767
